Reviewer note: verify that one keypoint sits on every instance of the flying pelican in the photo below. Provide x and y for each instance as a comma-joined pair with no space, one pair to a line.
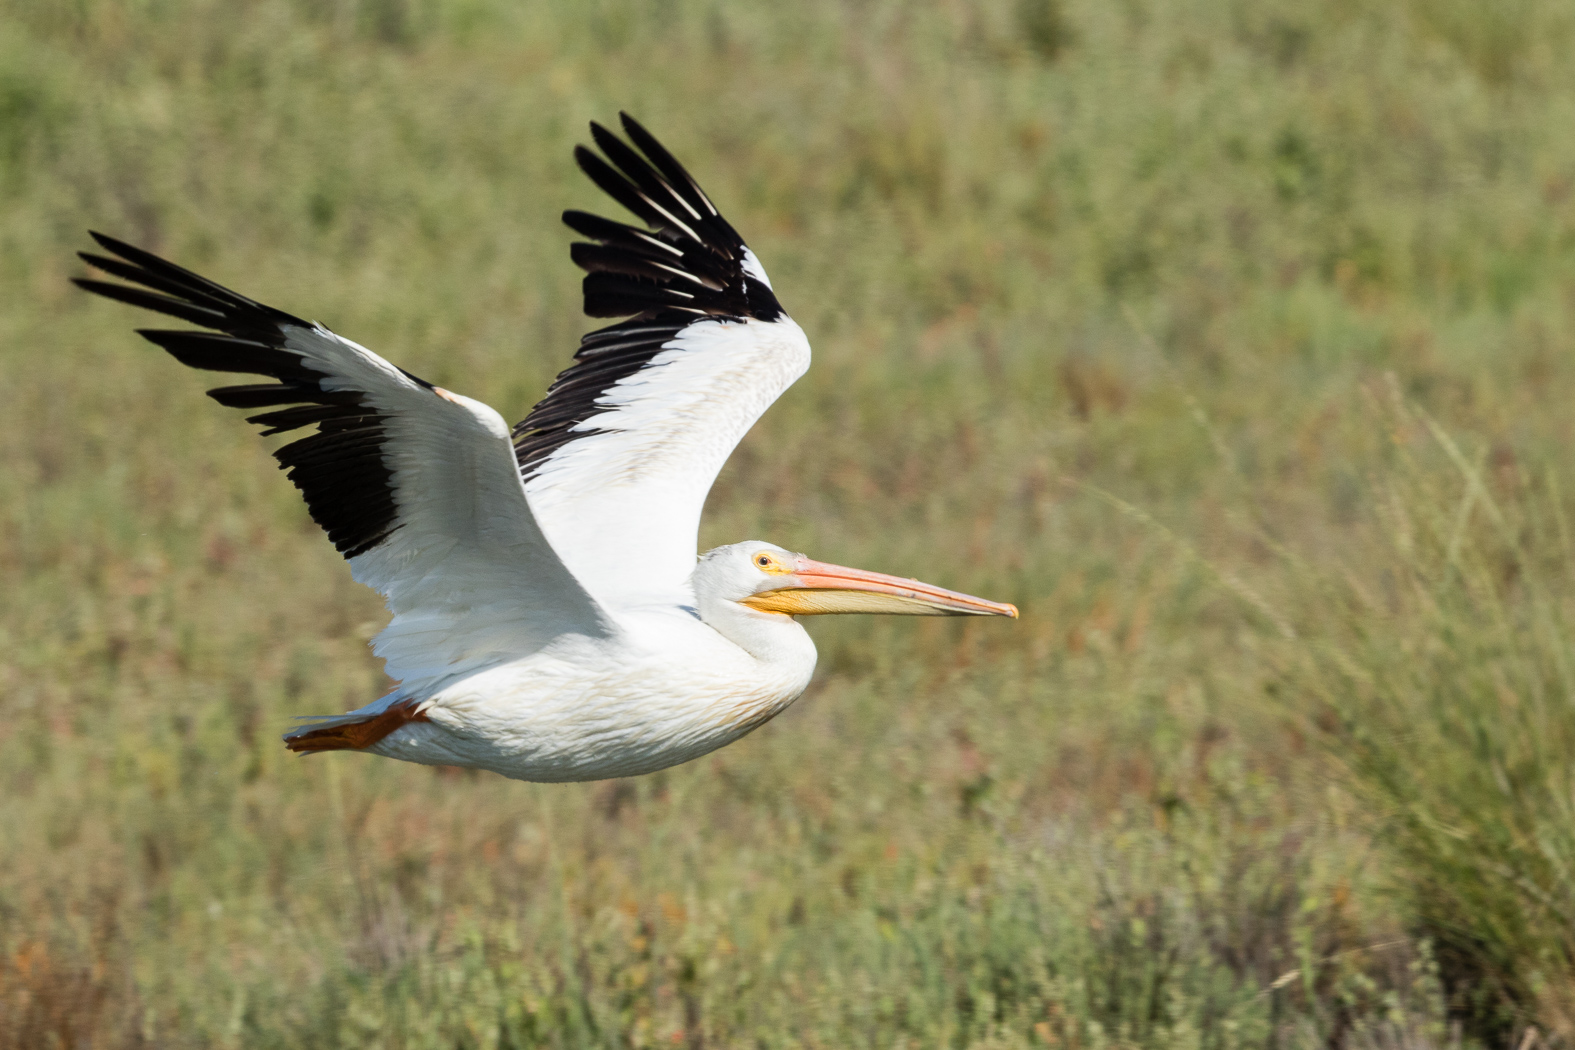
551,621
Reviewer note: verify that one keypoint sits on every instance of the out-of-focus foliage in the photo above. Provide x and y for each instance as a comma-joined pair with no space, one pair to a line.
1158,319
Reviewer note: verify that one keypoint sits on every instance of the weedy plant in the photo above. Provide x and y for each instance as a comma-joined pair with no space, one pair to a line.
1447,685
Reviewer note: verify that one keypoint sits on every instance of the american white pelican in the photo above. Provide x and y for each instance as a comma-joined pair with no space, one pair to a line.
550,619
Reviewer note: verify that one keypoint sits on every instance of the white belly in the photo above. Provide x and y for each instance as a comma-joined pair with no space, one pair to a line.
587,710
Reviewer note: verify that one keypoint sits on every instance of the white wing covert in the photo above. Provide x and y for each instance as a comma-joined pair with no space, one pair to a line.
417,487
618,458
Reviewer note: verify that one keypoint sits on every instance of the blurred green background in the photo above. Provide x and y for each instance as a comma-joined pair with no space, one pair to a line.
1230,339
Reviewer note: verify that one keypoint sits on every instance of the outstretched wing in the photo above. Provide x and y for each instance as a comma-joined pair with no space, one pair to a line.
619,456
417,487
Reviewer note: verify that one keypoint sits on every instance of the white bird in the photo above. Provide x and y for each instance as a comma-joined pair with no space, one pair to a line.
551,621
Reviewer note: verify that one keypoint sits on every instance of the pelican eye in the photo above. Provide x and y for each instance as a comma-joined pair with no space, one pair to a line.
765,561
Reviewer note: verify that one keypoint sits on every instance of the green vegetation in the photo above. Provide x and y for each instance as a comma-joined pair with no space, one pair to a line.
1231,340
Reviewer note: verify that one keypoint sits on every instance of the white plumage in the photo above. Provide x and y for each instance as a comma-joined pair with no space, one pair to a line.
636,482
551,620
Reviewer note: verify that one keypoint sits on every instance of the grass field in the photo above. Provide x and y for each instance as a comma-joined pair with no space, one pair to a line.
1230,339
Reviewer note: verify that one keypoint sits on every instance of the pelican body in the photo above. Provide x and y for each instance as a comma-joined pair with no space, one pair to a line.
551,620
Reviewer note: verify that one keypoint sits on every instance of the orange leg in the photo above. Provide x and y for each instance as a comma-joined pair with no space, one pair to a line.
355,736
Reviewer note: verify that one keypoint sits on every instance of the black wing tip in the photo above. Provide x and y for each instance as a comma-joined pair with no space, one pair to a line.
592,163
641,136
602,135
685,269
139,257
339,469
655,152
648,181
112,245
190,289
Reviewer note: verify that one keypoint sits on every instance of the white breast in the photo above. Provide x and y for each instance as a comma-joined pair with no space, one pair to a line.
588,709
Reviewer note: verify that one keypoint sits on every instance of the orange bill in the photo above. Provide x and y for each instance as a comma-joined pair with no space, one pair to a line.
815,588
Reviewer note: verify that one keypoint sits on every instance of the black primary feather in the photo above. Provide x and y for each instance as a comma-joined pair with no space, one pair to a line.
340,470
688,268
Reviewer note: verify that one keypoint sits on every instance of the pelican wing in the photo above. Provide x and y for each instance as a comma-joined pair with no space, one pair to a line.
619,456
417,487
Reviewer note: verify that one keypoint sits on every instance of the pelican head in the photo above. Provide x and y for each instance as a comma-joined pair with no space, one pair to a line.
768,579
